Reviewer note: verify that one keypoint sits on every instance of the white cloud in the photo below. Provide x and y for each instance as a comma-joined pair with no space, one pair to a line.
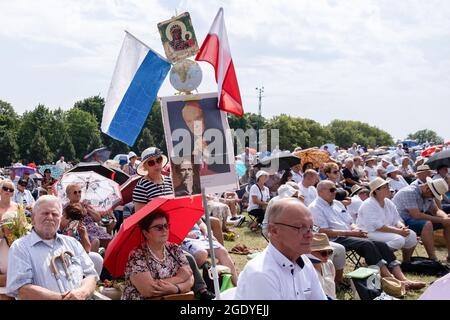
374,61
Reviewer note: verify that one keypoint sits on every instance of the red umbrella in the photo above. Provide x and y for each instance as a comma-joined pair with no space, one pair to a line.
428,152
127,188
183,214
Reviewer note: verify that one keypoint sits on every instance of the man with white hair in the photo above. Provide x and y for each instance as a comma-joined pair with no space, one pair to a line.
33,270
281,271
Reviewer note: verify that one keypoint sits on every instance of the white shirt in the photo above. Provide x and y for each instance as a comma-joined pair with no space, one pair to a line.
309,193
61,164
272,276
297,177
397,184
334,216
371,173
254,191
354,207
24,198
371,216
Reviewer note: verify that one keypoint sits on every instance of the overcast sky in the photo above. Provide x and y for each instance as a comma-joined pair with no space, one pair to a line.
386,63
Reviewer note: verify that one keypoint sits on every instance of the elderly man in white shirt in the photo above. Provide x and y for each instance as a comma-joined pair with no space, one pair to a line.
307,189
379,216
281,271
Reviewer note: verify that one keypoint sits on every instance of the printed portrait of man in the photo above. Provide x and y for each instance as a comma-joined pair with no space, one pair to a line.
185,176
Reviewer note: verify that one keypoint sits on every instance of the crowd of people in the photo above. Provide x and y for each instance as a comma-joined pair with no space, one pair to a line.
311,217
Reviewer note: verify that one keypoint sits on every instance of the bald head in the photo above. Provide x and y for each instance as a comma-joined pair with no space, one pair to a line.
282,208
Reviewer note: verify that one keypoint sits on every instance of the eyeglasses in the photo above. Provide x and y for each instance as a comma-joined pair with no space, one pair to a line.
332,190
325,253
151,163
6,189
301,229
77,192
160,227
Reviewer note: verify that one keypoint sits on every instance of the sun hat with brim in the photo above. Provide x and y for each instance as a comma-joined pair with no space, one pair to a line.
355,189
438,187
286,191
146,155
423,167
376,184
320,242
261,173
371,159
391,168
393,287
131,154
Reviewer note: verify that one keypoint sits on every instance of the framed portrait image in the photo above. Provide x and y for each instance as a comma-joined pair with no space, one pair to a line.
198,141
178,37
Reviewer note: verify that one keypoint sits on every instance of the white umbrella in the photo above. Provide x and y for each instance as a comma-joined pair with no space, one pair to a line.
101,193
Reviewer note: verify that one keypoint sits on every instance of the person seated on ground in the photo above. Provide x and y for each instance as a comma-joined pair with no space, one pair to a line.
321,251
8,230
22,196
333,219
281,271
380,218
406,170
418,210
29,274
395,179
76,229
157,267
90,217
197,244
258,199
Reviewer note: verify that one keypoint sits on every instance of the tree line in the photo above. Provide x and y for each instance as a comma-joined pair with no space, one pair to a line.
43,135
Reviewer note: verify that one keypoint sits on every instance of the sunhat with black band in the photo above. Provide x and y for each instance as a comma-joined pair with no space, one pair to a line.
151,153
438,187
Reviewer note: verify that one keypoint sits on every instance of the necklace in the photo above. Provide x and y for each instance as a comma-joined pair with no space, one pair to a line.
154,255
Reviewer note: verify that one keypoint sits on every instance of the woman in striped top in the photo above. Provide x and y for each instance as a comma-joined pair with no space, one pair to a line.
153,183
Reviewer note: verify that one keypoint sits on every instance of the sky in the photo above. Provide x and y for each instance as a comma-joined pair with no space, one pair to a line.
383,62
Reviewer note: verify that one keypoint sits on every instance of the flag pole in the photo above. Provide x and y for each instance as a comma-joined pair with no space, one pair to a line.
210,239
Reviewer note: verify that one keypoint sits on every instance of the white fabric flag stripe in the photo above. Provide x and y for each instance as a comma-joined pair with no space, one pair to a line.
138,75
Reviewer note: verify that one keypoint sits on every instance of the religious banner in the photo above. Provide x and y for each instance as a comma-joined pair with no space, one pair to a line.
199,144
178,37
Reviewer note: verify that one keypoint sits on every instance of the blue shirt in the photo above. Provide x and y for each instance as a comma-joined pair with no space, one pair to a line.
410,198
29,263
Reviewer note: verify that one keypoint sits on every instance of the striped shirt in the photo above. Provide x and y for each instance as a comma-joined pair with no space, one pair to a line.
146,190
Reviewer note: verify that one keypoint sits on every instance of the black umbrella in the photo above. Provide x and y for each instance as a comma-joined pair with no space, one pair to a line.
280,161
441,158
111,173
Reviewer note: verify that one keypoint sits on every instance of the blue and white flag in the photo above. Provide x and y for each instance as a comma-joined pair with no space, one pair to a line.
138,75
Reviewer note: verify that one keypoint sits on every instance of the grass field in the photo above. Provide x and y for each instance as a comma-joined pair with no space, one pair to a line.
257,241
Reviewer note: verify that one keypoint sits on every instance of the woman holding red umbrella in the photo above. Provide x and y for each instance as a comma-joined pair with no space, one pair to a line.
157,267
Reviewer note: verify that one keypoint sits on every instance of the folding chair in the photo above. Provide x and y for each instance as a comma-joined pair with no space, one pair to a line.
354,258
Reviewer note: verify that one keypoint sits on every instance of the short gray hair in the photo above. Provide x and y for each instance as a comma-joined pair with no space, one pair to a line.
46,199
279,207
324,185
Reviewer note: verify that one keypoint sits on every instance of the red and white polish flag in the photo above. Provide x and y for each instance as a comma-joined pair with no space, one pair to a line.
216,51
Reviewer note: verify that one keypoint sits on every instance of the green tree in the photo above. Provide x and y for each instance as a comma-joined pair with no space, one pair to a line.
425,135
39,150
66,148
94,105
8,147
83,129
145,140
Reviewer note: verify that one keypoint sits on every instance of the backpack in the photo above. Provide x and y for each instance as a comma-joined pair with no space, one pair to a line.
365,283
425,266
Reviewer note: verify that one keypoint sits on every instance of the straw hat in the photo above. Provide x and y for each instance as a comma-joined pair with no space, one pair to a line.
393,287
320,242
146,155
423,167
376,183
438,187
355,189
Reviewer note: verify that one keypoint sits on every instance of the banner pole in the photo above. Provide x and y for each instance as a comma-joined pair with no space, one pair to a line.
210,239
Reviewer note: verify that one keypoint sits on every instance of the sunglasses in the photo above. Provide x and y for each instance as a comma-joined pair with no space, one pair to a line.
77,192
6,189
325,253
160,227
151,163
334,172
332,190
